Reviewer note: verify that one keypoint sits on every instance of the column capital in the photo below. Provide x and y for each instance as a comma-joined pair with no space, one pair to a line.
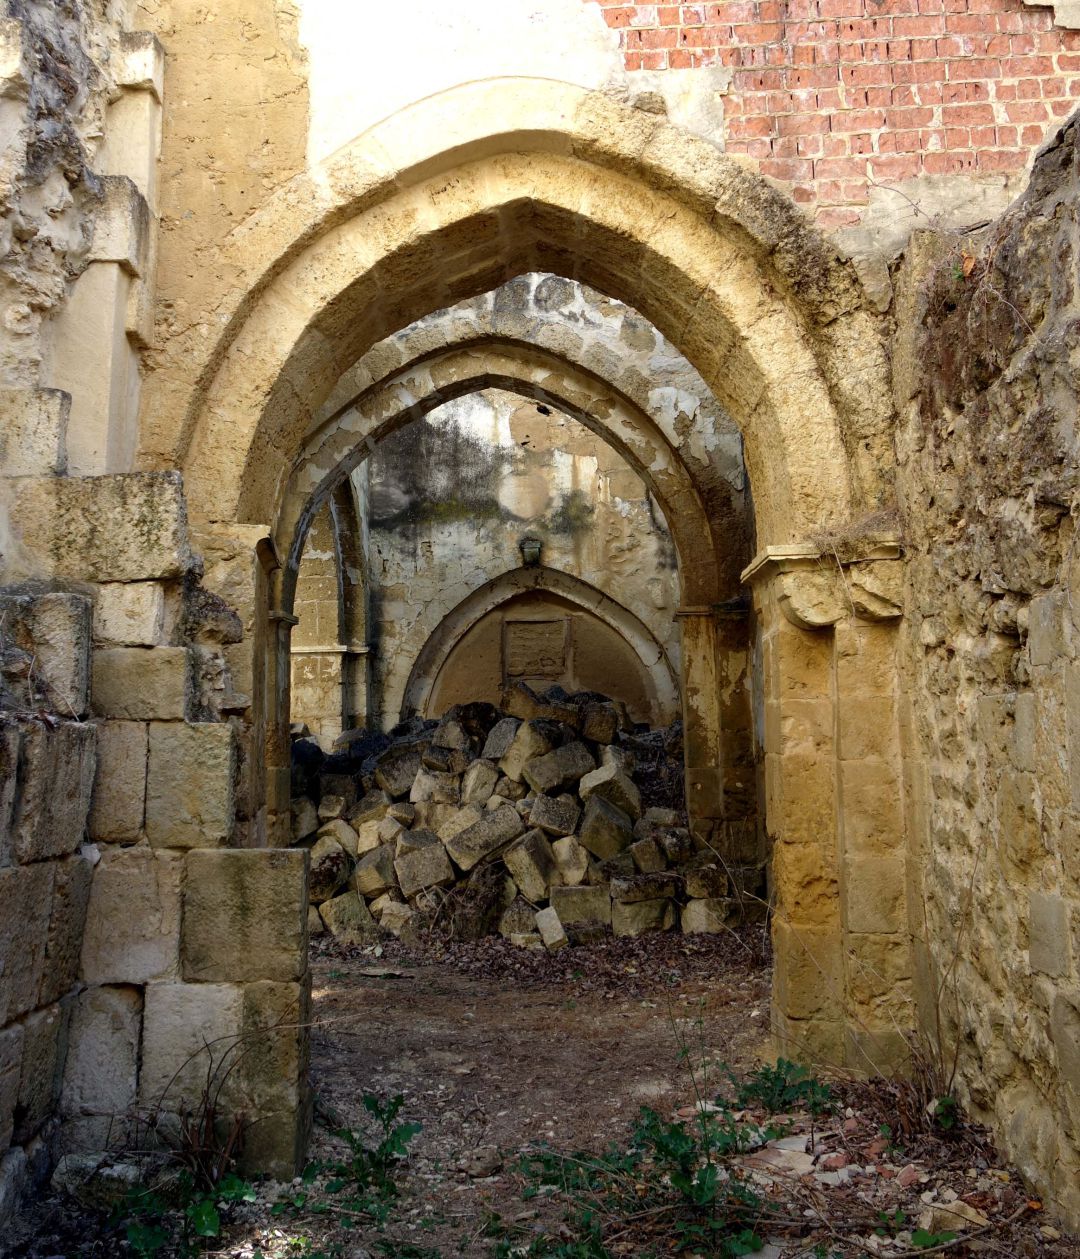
816,588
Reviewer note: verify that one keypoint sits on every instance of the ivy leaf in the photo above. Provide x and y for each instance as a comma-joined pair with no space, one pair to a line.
204,1218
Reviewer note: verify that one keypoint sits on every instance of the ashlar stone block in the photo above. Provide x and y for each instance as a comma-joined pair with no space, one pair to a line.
245,915
492,832
118,802
530,861
190,798
102,1065
39,1079
67,923
11,1055
128,614
141,683
133,918
190,1030
25,907
611,784
56,773
1048,934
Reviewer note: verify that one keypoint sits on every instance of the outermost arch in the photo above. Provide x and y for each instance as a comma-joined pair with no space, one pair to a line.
441,202
516,581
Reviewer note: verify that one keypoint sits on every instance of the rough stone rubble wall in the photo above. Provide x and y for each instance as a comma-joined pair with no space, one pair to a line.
986,383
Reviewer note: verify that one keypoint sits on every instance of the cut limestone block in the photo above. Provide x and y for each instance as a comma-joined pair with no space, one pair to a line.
389,829
561,768
571,860
396,770
705,916
190,784
396,918
676,844
551,929
67,926
529,859
612,785
634,919
305,818
450,734
582,904
402,811
621,866
533,739
56,775
328,869
499,739
557,815
371,808
510,789
331,807
422,865
375,871
645,887
245,915
435,787
349,920
599,723
133,919
707,882
458,820
647,856
118,802
518,918
494,831
342,832
141,683
315,924
130,614
478,782
102,1065
605,829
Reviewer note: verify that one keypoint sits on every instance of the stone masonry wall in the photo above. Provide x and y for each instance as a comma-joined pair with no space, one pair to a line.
986,382
837,99
47,756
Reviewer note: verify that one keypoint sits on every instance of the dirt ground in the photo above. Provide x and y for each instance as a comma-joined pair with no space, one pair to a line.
498,1051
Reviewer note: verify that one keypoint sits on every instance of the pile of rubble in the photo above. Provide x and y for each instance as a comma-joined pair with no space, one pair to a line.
528,821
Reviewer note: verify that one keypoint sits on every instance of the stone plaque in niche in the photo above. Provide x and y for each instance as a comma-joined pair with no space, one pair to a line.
535,649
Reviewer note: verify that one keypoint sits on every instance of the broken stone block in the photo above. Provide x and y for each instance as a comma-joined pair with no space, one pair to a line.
529,859
450,734
561,768
532,740
551,929
706,882
641,916
349,920
67,925
621,758
402,811
494,831
605,829
305,818
245,915
414,840
499,739
571,861
703,917
647,856
582,904
509,789
436,788
478,782
494,802
645,887
191,777
557,815
315,924
389,829
677,844
611,784
331,807
371,808
396,918
520,700
599,723
367,835
11,1054
141,683
518,918
587,931
397,768
328,869
39,1079
432,817
343,785
342,832
119,795
526,940
132,928
391,897
422,863
375,871
621,866
458,821
661,817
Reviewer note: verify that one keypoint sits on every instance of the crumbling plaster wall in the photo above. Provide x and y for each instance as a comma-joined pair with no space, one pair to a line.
450,505
986,385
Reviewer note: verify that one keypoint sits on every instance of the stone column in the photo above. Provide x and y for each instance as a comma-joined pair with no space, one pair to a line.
833,804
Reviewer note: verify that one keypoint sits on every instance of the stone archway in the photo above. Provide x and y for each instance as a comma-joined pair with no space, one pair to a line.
435,653
441,202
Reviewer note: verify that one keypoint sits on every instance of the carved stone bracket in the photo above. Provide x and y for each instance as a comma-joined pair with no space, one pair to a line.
815,590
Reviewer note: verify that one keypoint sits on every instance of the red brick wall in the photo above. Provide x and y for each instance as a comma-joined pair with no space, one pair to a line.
834,96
